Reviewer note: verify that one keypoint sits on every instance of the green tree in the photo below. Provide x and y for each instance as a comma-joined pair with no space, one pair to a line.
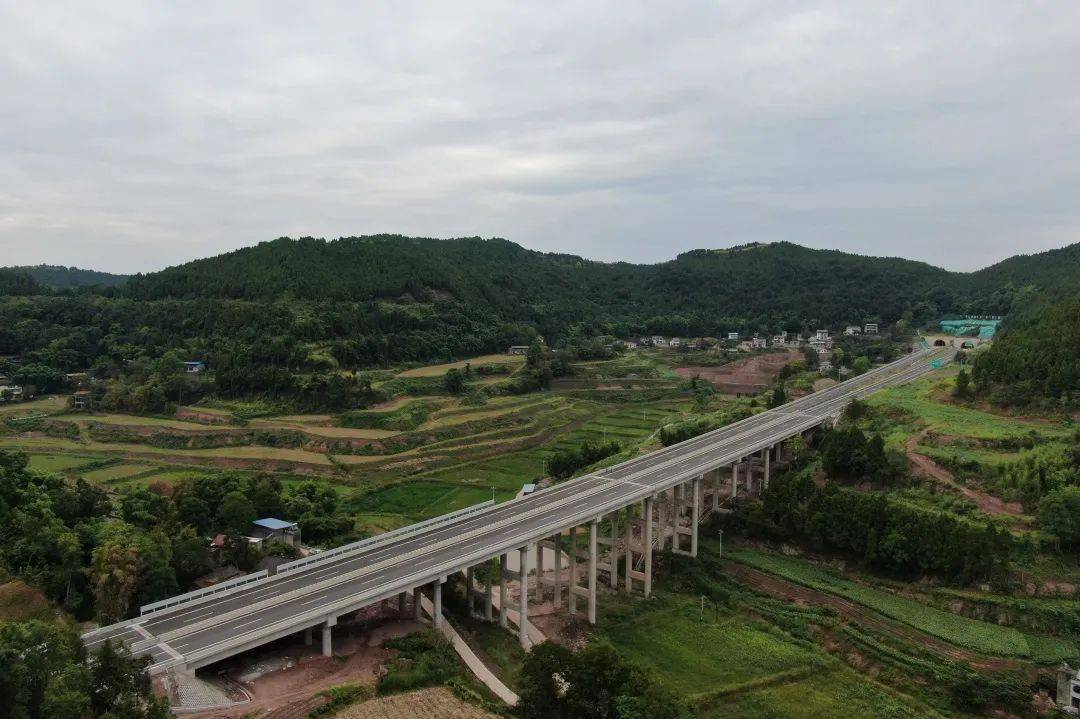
962,390
116,573
236,513
1059,514
777,397
454,381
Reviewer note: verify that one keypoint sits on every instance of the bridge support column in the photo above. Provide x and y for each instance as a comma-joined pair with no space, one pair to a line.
571,599
695,515
309,637
556,549
488,613
436,602
768,462
418,604
327,639
716,490
594,533
538,553
469,591
661,507
401,605
678,493
503,575
613,577
523,603
648,545
734,479
629,583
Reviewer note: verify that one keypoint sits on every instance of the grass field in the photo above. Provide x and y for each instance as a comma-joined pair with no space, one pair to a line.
130,420
116,472
918,399
421,499
727,665
47,405
692,653
991,639
440,369
55,462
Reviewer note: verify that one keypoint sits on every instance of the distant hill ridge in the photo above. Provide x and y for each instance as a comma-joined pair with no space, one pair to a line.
778,278
58,277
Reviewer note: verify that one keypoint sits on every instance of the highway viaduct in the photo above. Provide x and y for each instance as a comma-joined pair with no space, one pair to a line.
607,523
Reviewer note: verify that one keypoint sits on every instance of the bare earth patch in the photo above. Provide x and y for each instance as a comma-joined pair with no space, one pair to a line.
745,376
434,703
292,693
926,467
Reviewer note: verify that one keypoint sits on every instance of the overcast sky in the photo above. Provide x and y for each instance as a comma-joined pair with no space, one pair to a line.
137,135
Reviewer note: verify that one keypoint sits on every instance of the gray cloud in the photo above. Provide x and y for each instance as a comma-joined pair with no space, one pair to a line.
136,135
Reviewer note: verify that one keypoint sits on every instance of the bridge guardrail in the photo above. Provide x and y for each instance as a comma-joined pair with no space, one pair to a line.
380,538
200,593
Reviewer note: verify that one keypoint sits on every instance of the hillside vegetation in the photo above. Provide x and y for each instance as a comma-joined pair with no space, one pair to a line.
58,277
1037,359
296,318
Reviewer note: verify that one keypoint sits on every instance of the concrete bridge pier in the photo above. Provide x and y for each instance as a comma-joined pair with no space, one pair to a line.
436,602
327,639
523,601
594,534
611,564
488,609
401,599
735,479
504,576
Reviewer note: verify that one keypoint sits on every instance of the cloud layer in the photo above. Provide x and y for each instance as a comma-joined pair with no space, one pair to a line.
136,135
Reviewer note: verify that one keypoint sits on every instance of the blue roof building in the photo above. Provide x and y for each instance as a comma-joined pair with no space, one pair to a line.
271,529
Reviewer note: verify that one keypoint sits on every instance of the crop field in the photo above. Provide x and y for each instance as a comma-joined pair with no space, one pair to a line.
836,694
983,637
694,652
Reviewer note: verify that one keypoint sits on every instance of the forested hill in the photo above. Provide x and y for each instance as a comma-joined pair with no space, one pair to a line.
782,280
57,277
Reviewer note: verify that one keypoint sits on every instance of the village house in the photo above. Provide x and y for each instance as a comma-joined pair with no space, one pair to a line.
821,339
871,328
824,359
1068,689
270,529
852,330
733,336
10,393
659,341
780,340
758,343
81,399
194,367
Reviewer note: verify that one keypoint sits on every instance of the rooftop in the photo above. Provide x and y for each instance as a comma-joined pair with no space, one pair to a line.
272,523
